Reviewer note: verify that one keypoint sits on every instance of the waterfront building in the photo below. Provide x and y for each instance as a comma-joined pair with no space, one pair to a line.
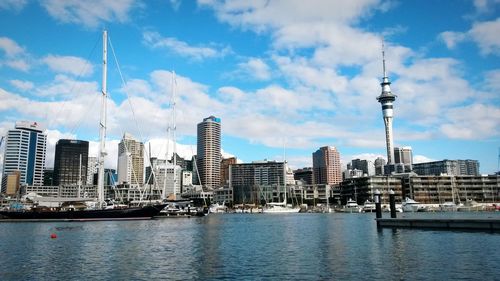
224,170
434,189
11,183
311,194
326,166
424,189
223,195
256,181
91,169
304,174
70,162
150,176
361,189
379,166
448,167
130,161
209,152
25,149
386,99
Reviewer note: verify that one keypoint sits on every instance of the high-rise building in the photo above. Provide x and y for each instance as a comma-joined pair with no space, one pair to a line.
91,169
25,149
224,171
326,166
365,166
386,99
130,161
209,152
71,162
379,166
252,181
403,156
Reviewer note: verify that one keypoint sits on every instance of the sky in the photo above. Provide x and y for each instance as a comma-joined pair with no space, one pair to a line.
285,77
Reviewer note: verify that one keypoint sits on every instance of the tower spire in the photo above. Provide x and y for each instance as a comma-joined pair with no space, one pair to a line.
383,58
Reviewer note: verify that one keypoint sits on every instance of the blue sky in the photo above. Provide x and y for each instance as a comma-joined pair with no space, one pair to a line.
294,74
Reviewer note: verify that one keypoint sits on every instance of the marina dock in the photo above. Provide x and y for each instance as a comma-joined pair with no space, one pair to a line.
491,224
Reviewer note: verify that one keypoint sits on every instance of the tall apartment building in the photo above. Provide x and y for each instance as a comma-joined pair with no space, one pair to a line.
91,169
25,149
379,166
251,181
130,161
403,157
326,166
364,165
224,170
71,162
209,152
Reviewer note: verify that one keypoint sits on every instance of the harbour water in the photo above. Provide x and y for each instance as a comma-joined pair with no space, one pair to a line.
245,247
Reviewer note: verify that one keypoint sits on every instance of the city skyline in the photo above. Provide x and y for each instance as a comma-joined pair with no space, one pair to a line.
291,75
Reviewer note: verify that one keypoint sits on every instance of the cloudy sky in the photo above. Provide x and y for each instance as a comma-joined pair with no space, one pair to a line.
294,74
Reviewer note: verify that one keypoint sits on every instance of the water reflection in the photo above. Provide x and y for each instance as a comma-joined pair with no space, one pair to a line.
244,247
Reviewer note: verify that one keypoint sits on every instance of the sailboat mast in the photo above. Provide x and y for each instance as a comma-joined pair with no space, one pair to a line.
102,121
174,134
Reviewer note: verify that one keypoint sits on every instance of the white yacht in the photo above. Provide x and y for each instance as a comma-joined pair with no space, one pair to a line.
351,207
368,207
279,208
410,205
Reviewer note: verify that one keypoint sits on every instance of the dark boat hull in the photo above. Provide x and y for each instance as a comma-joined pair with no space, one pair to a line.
135,213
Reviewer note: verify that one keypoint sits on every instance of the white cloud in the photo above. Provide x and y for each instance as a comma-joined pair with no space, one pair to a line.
155,40
473,122
13,5
451,39
89,13
18,64
22,85
421,159
10,47
255,68
492,80
66,88
484,34
68,64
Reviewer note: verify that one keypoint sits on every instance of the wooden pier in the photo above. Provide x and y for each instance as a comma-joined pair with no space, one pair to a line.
491,224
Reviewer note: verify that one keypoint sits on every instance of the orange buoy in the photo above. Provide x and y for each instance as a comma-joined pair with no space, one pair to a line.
53,236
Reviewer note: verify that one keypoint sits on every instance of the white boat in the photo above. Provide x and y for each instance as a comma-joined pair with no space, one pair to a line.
217,208
471,206
448,207
279,208
410,205
351,207
368,207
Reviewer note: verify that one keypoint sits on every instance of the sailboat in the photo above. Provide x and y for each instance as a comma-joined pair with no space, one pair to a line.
277,208
101,212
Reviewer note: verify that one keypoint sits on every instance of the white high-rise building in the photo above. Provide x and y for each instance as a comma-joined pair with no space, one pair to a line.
91,170
130,161
25,149
209,156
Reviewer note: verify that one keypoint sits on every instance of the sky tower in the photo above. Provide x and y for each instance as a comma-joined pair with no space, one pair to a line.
386,98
